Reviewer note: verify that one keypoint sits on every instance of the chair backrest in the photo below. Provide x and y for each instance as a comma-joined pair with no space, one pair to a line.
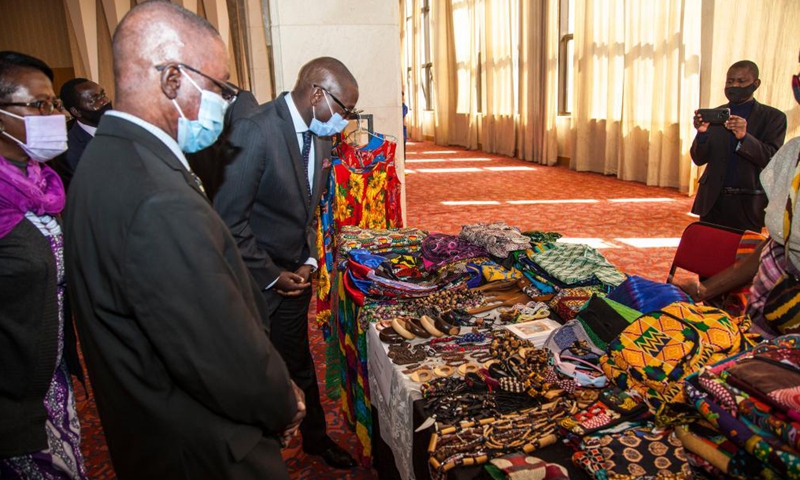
706,249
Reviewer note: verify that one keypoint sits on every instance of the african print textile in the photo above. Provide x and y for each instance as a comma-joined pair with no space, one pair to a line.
656,352
634,454
575,263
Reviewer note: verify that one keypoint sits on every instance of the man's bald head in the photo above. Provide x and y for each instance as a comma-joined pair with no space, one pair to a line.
326,72
331,75
150,41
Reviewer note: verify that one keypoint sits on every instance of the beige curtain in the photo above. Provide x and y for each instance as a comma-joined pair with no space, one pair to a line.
444,60
538,82
495,76
773,33
632,59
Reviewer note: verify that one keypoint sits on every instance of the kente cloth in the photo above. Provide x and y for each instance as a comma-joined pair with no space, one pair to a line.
634,454
656,352
574,263
499,239
646,295
439,249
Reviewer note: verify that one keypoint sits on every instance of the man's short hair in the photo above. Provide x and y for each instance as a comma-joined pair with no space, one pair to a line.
11,63
69,93
750,65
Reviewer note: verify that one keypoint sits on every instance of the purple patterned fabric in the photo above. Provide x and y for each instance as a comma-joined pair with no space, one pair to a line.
40,192
63,458
439,249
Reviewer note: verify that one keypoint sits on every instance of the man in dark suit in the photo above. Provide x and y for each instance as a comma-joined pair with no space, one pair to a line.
209,163
186,380
86,101
735,152
273,182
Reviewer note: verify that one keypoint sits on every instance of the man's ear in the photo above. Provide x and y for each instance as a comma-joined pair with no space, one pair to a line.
171,81
317,95
757,83
74,112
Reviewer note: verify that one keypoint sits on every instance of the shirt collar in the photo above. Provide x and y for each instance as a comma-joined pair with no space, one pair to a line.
160,134
87,128
299,124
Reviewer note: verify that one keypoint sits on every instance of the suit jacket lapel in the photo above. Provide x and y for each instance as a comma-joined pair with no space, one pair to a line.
118,127
290,137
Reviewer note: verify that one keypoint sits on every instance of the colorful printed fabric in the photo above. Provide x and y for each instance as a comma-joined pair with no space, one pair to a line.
498,238
439,249
772,267
396,240
783,461
614,406
634,454
569,301
604,319
656,352
646,295
573,263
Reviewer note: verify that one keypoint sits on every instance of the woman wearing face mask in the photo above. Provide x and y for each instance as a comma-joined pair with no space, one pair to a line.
39,429
774,267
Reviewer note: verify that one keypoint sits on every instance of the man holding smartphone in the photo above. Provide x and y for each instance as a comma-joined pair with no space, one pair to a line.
735,152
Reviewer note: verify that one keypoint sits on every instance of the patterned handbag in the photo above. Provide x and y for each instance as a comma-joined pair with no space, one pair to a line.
656,352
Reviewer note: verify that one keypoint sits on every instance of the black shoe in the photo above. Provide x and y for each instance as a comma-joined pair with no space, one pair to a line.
335,456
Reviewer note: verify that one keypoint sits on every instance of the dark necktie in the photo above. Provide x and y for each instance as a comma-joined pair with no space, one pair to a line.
306,150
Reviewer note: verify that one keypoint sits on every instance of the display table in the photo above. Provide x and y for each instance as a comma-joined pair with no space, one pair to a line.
400,410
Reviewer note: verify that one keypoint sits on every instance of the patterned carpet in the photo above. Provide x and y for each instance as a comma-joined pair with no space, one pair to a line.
636,227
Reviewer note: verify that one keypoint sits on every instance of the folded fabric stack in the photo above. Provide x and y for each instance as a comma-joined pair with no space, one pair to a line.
749,406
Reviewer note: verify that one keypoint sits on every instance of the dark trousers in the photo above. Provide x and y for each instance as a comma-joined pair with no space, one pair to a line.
739,211
289,334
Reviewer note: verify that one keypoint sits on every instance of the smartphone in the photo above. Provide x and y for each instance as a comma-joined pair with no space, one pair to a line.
715,115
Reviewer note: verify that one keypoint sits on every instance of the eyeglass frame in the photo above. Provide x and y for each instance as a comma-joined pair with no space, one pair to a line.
223,86
38,104
348,113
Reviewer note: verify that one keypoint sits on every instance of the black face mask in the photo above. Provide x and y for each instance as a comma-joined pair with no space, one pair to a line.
93,116
740,94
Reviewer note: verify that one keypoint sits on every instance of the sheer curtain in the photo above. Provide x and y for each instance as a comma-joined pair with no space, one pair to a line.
633,59
495,76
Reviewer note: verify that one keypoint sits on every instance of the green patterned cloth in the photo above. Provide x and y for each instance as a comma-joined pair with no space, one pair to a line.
574,263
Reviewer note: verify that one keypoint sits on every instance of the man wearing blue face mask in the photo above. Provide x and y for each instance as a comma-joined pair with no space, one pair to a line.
278,165
187,382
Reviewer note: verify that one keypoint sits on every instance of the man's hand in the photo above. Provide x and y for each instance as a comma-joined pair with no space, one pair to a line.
699,124
290,284
291,430
692,287
737,126
305,272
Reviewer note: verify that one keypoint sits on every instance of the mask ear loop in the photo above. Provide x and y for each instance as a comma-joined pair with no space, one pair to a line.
174,102
3,127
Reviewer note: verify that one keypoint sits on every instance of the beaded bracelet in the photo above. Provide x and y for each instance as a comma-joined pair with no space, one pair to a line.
472,337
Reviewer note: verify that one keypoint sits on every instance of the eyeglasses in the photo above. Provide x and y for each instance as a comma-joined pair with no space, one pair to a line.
228,91
348,113
45,107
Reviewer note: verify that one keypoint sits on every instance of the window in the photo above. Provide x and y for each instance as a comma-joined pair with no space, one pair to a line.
426,63
566,54
409,44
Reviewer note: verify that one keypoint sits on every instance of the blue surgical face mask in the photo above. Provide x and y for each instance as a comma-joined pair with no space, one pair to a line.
195,135
333,126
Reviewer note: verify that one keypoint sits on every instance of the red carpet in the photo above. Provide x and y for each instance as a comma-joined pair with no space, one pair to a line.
610,213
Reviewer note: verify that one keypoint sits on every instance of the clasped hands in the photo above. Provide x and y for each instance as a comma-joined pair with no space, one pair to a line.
737,125
292,284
